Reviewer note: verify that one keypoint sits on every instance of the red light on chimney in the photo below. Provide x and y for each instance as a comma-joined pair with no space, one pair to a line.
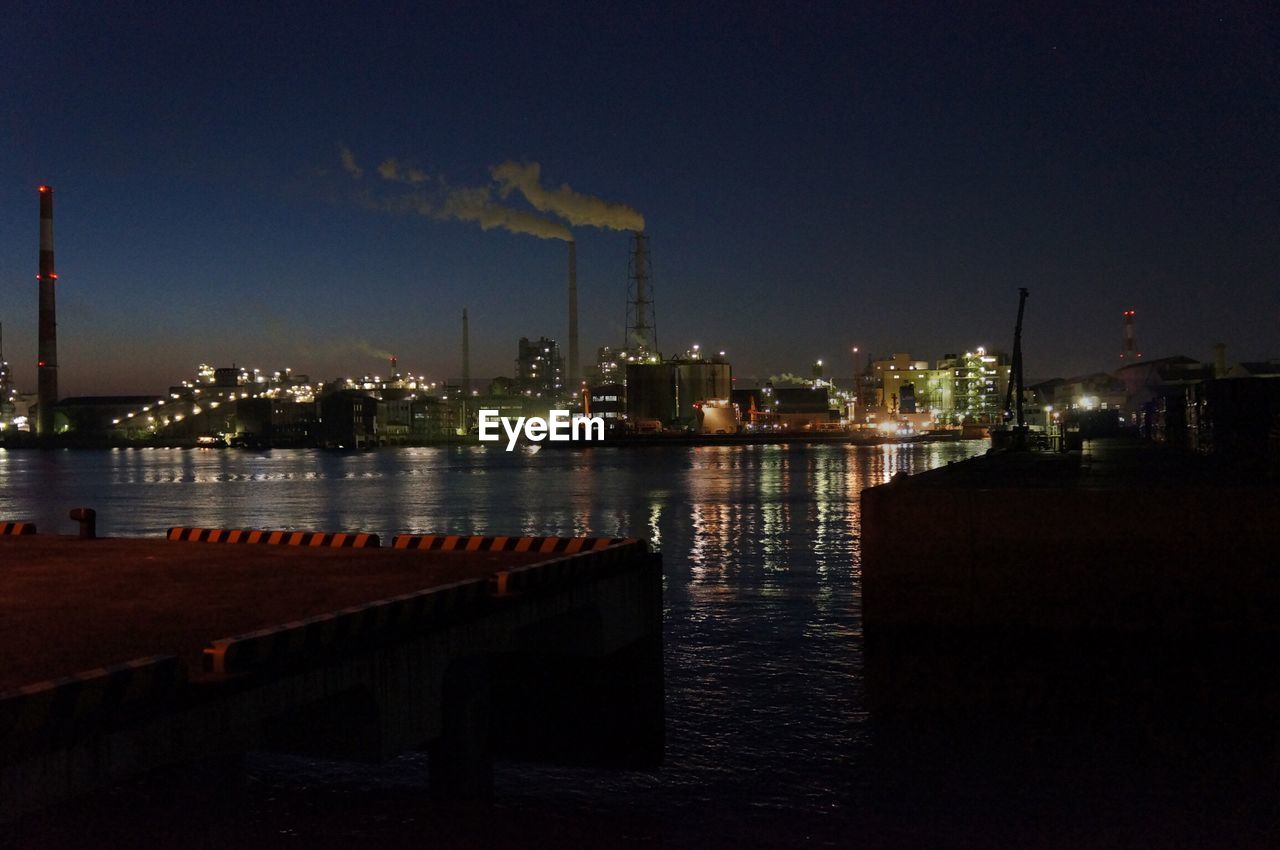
39,362
44,188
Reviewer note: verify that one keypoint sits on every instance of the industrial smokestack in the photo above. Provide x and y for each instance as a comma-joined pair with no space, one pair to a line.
466,355
572,379
394,365
1129,350
47,359
1220,360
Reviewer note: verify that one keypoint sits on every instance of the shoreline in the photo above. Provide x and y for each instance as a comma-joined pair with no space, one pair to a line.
629,441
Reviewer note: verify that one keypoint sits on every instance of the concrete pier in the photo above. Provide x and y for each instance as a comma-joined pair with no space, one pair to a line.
1122,536
1118,599
128,655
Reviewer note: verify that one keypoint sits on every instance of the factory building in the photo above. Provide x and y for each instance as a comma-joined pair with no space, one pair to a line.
670,392
99,414
980,381
608,401
8,392
890,374
786,408
539,368
395,421
348,419
1096,391
610,365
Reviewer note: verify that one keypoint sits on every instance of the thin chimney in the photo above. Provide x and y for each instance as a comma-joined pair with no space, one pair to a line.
1129,349
47,359
573,377
466,356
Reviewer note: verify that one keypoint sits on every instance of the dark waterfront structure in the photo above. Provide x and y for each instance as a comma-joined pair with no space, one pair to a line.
651,392
349,419
47,362
1109,617
668,391
543,648
1123,536
98,414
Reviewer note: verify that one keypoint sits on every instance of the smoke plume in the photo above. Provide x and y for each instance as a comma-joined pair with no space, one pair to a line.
364,347
390,169
477,205
574,207
349,162
432,197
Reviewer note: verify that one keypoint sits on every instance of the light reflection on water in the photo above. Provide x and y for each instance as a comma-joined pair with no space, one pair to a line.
761,551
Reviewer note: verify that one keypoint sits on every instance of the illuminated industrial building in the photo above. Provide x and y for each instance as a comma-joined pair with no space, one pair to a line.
539,368
891,374
785,408
980,382
669,391
8,392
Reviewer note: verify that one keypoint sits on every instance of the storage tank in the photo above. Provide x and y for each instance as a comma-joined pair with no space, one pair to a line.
699,381
651,391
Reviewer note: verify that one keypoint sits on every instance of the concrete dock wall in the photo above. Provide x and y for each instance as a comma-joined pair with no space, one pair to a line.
452,668
1070,558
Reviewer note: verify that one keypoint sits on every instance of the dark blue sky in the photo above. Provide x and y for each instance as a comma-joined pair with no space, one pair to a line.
811,179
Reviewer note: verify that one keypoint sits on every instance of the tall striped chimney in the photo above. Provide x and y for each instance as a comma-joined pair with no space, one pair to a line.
571,380
47,359
1129,351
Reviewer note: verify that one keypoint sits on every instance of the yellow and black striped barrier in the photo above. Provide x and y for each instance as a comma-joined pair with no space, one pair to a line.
63,710
357,627
568,568
317,539
477,543
17,528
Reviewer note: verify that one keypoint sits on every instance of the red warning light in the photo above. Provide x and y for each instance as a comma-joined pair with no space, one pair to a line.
39,362
44,188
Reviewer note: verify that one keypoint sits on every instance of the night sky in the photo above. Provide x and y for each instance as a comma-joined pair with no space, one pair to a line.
811,180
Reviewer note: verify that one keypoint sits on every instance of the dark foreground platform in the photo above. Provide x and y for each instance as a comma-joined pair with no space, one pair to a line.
69,605
127,655
1108,619
1123,537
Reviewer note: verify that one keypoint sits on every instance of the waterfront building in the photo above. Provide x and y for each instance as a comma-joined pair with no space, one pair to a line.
1096,391
980,383
608,401
539,368
1147,382
890,374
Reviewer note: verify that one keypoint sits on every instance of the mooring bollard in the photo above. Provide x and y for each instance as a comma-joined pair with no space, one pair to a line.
88,519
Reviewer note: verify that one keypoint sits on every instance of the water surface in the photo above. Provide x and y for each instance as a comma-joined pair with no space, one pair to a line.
763,641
